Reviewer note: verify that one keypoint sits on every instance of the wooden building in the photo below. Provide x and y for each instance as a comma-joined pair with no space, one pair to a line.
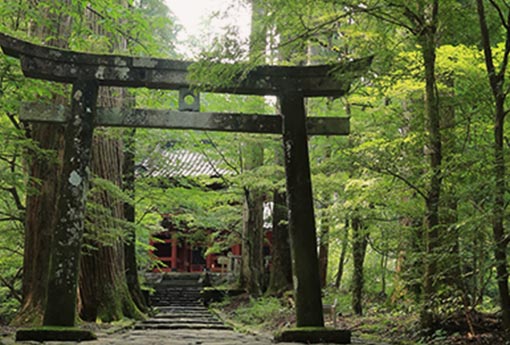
175,253
172,250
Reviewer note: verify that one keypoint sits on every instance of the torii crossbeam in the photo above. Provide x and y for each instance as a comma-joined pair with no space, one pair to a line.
88,71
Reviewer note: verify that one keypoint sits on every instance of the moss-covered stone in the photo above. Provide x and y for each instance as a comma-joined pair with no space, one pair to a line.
314,335
49,333
210,295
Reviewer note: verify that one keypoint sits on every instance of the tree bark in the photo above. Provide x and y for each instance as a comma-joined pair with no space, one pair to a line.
324,249
44,176
103,287
252,269
496,80
427,38
103,283
343,254
281,263
359,248
128,186
40,218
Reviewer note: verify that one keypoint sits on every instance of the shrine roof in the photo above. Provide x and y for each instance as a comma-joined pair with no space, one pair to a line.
171,163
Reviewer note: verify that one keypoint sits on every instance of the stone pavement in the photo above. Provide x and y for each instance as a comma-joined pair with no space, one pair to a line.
190,337
175,337
181,319
172,337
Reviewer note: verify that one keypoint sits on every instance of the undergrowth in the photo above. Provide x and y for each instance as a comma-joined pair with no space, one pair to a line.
264,314
380,323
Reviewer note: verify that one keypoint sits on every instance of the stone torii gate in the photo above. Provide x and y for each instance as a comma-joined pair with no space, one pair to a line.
86,72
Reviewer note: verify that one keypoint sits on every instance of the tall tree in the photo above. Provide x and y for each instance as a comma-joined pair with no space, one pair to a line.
359,249
128,186
103,282
421,19
253,156
280,279
496,76
44,177
103,286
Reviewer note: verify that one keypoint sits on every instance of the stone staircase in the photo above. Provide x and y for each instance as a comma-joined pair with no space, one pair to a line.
177,301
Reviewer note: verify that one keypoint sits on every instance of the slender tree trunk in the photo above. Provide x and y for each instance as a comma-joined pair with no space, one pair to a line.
324,248
428,42
384,267
359,247
452,264
252,268
128,186
343,254
281,263
253,236
496,80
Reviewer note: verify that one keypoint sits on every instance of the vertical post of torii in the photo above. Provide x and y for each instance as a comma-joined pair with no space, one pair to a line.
67,238
305,263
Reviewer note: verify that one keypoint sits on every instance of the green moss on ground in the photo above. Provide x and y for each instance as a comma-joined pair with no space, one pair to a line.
313,335
54,333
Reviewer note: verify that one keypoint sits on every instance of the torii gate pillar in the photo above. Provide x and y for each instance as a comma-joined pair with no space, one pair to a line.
305,263
67,240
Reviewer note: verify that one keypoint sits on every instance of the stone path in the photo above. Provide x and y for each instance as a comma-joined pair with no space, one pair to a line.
181,320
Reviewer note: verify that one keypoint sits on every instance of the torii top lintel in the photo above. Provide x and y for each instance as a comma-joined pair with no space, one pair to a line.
126,71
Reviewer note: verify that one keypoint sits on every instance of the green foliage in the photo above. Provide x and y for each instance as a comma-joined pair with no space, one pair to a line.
261,313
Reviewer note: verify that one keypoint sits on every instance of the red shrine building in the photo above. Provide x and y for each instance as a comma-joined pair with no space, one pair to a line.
172,251
176,253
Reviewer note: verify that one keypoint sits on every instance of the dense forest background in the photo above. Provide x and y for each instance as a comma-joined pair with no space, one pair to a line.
411,207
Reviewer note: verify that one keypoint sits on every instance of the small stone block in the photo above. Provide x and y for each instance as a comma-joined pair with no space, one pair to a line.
54,334
189,100
314,336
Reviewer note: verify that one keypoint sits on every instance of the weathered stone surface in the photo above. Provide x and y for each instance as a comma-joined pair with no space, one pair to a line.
216,295
151,118
314,336
54,334
66,245
302,232
115,70
176,337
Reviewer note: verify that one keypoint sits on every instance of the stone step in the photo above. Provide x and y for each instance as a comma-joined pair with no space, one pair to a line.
182,326
180,282
175,297
189,320
184,308
169,314
176,304
182,276
170,317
